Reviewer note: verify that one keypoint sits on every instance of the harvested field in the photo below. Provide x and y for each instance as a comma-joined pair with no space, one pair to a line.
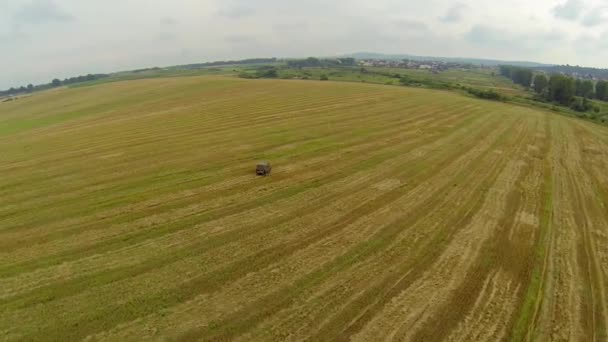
131,210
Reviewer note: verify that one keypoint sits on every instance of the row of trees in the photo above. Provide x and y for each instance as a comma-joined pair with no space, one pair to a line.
18,90
565,91
601,90
519,75
78,79
261,72
30,88
316,62
559,88
574,70
230,62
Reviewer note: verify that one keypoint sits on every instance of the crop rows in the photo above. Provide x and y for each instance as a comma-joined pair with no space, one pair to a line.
391,213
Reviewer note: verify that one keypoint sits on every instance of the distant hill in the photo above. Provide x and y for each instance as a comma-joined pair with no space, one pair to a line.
477,61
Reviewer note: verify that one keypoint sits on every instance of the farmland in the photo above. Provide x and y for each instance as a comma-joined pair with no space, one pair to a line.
131,210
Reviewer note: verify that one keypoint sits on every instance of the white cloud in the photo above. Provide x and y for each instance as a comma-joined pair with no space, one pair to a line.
43,39
455,13
40,12
236,12
595,17
570,10
169,21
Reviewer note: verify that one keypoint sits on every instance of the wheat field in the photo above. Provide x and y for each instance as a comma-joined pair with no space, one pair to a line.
131,211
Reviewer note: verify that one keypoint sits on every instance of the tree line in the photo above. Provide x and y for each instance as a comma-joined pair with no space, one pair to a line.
30,88
519,75
229,62
574,70
311,62
559,88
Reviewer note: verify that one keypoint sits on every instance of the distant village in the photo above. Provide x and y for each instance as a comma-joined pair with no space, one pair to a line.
433,66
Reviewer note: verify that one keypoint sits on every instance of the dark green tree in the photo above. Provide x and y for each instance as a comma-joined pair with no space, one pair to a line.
578,84
561,89
540,83
587,105
601,90
586,89
267,73
313,62
348,61
522,76
505,70
581,104
56,82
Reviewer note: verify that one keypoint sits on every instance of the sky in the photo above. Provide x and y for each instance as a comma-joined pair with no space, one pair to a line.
44,39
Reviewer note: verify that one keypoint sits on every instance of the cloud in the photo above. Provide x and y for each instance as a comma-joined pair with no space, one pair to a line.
455,13
236,12
29,16
13,36
594,17
168,21
294,26
44,39
413,25
167,37
499,39
592,45
570,10
484,35
240,39
167,34
40,12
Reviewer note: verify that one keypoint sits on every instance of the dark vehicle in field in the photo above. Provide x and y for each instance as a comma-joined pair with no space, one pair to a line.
263,168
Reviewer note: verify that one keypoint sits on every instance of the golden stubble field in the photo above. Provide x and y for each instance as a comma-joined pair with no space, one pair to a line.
131,210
